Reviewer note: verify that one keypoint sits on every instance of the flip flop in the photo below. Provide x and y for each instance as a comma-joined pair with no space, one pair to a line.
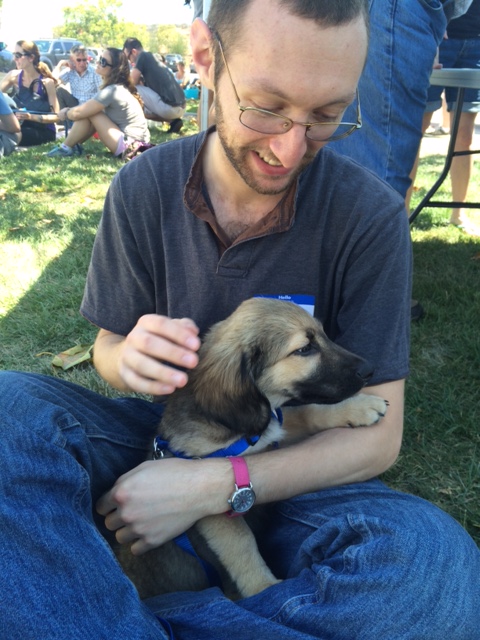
471,231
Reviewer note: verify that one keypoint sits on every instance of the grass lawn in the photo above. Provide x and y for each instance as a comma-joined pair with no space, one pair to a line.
49,212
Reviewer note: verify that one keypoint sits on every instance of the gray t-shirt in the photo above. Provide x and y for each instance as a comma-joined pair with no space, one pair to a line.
348,250
125,111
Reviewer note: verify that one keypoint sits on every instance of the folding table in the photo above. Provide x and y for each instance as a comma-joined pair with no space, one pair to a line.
461,79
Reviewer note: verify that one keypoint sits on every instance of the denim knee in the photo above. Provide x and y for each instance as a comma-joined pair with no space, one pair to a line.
349,550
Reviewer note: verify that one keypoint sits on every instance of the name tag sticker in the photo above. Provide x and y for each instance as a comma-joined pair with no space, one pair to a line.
306,302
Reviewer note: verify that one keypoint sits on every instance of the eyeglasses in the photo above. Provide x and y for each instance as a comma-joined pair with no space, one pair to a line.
18,55
104,63
271,123
81,59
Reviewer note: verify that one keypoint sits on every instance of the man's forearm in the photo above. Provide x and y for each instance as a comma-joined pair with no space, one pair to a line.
333,457
106,356
59,68
10,124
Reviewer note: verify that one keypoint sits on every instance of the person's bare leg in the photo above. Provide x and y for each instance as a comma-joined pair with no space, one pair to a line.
445,117
107,130
81,130
462,167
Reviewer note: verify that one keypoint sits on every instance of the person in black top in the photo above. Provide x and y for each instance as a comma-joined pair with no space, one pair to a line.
163,98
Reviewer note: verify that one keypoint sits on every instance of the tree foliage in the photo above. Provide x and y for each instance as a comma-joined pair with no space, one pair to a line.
97,24
166,38
93,24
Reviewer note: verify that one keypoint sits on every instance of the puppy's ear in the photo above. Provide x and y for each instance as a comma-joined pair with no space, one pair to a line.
226,392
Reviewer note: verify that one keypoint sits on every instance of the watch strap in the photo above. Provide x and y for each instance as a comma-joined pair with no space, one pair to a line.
240,471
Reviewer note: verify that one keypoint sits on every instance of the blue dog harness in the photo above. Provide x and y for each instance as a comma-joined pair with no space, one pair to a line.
161,447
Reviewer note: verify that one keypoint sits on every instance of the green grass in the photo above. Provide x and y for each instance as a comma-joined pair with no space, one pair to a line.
49,212
440,458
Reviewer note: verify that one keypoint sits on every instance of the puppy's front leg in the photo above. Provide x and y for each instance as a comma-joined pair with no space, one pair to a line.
233,542
360,410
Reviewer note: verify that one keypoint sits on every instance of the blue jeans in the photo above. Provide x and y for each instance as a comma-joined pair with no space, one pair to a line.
360,562
393,87
457,54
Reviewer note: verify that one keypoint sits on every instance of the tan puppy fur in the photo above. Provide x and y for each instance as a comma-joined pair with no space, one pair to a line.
266,354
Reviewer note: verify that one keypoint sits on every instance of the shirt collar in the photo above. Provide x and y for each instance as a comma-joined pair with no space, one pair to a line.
279,219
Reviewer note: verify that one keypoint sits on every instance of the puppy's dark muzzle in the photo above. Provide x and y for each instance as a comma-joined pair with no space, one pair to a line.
340,375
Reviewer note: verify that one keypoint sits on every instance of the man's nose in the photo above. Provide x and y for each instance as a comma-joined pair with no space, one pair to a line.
290,147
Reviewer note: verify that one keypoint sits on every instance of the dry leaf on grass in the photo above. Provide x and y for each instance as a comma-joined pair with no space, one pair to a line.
74,356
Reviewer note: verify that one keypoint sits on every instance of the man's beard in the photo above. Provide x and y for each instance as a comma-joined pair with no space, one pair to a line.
238,159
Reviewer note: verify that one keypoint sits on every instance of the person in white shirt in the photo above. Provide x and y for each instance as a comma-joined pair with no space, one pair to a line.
76,73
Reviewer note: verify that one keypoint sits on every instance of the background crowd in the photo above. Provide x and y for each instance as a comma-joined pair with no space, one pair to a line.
120,96
112,100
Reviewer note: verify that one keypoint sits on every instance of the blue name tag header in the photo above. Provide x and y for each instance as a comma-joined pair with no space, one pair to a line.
305,301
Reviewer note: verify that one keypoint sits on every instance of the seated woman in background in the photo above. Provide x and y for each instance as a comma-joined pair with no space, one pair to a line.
35,92
115,113
181,75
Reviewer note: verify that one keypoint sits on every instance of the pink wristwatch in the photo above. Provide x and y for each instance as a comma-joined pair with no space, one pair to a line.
243,497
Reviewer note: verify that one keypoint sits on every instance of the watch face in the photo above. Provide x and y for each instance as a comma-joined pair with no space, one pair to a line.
242,500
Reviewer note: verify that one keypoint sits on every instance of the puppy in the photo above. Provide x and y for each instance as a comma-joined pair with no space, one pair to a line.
266,354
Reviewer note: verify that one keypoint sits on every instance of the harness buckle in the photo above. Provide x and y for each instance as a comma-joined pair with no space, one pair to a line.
158,450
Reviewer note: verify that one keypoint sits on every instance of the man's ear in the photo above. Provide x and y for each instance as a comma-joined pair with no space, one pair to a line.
201,42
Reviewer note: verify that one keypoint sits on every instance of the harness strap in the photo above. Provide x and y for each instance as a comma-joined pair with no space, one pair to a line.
183,541
161,446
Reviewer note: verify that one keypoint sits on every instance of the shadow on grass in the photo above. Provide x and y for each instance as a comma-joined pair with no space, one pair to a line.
46,317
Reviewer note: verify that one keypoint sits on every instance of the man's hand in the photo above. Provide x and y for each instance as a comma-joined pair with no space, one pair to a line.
62,114
161,499
142,361
23,115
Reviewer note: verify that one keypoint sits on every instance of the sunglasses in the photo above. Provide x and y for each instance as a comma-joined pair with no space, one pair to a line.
81,59
103,63
18,55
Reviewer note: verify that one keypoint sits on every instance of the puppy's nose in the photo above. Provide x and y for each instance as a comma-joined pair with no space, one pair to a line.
364,371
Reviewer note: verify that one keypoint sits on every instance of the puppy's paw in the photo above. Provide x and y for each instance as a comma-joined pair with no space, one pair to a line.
366,409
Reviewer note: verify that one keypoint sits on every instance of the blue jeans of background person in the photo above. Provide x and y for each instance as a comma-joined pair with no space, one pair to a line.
404,35
457,53
361,562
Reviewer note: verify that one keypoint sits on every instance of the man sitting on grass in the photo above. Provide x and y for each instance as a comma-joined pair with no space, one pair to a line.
162,96
77,73
261,205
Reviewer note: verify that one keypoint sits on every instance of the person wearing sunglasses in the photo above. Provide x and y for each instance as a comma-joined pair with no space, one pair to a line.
35,95
79,75
115,113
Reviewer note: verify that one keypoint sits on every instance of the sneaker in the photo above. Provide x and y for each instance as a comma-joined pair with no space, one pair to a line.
61,152
175,125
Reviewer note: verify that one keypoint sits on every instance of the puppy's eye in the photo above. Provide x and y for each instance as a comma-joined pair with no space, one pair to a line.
304,351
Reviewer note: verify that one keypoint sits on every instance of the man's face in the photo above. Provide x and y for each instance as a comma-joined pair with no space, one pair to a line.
268,71
79,61
131,55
